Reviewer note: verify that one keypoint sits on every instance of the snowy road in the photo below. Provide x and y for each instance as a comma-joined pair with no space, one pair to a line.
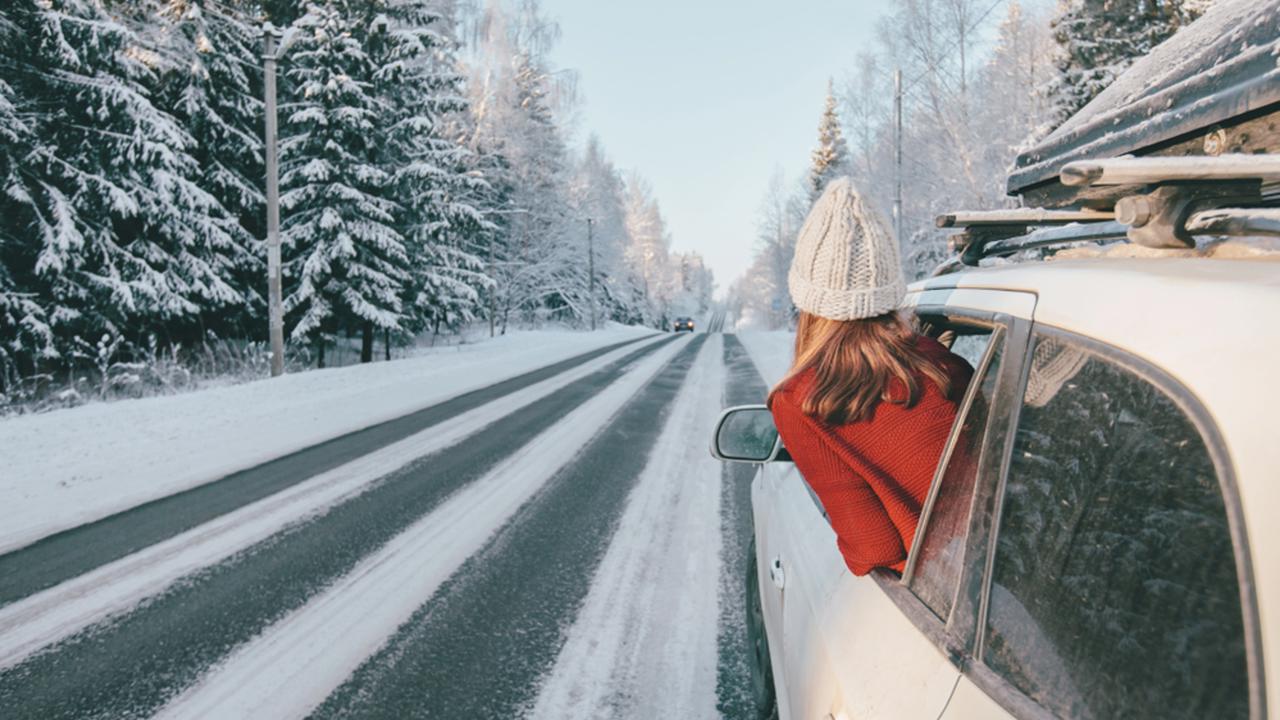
556,545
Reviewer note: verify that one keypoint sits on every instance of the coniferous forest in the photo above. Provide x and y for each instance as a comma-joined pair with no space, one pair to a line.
428,183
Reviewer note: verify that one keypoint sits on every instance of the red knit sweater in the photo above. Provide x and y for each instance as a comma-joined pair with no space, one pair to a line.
872,476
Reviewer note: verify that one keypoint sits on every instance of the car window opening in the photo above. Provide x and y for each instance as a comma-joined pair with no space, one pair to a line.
933,573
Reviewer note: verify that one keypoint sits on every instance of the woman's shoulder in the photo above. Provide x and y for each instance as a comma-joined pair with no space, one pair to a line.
957,367
792,387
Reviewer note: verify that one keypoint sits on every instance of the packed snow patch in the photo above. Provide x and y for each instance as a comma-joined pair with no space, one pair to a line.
644,643
69,467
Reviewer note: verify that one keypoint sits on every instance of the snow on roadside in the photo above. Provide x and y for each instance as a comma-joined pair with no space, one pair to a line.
293,666
770,350
53,614
644,642
69,467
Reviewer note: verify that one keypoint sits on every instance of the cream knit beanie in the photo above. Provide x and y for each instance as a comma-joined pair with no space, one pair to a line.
846,265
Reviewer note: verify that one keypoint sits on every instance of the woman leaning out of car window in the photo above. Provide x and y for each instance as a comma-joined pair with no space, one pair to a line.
867,405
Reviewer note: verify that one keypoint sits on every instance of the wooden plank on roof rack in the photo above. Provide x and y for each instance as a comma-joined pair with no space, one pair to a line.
1020,217
1150,170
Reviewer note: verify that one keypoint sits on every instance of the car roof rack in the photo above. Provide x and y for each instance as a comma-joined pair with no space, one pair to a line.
980,242
1019,217
1129,170
1231,222
1172,199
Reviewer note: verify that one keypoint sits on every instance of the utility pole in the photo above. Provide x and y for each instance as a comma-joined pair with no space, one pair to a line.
897,156
275,310
493,291
591,269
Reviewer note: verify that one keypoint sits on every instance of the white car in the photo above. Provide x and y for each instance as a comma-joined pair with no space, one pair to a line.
1109,554
1098,539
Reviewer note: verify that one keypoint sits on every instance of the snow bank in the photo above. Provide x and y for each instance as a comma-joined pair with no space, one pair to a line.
771,351
69,467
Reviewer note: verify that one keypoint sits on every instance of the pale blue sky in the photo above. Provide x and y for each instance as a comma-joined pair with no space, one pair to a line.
706,98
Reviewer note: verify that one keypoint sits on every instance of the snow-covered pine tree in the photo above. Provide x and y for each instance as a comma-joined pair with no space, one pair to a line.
213,86
346,258
831,158
416,77
1098,40
24,330
122,239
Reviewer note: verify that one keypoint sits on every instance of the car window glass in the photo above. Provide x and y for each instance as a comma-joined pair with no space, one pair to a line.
1114,590
941,550
971,347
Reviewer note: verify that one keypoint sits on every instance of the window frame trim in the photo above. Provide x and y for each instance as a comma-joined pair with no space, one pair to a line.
1004,692
999,330
953,636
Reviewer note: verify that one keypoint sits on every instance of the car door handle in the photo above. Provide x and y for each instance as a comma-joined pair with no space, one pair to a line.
776,574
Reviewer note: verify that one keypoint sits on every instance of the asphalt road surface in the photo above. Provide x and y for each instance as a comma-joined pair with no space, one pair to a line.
559,544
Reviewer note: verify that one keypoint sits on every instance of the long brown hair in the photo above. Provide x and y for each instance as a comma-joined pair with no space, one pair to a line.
855,363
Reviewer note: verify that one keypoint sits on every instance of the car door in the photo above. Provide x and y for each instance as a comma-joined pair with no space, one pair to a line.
870,647
1112,587
813,566
771,513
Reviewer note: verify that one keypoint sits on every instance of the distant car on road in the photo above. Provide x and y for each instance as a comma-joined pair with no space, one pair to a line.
683,323
1099,539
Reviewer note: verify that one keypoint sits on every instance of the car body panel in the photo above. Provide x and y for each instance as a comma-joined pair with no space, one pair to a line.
970,702
769,542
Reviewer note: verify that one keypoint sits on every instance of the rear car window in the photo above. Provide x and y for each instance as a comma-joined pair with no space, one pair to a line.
1114,589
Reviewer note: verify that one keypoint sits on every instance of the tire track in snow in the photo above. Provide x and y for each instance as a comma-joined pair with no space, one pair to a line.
644,643
292,667
51,615
67,554
479,647
742,386
133,665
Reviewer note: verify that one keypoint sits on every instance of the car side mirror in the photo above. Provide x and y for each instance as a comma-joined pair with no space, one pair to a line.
746,434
